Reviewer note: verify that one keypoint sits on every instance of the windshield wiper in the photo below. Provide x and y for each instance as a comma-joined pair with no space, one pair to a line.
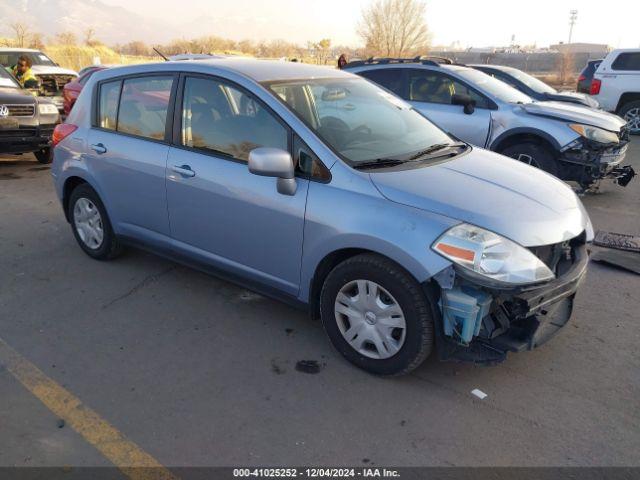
379,163
435,148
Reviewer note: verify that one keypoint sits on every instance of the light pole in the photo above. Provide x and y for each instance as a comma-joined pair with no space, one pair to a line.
573,17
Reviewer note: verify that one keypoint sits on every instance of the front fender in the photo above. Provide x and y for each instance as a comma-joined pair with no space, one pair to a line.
360,218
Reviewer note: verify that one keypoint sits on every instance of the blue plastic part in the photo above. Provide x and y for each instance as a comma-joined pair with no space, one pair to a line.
463,309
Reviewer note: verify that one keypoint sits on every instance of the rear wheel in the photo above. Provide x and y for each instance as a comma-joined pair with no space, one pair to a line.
376,315
631,113
43,156
91,225
533,154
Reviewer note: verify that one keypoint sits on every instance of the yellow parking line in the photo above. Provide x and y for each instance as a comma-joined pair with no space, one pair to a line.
134,462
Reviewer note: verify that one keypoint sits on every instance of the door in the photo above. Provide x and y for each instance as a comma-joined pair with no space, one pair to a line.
430,92
128,152
217,208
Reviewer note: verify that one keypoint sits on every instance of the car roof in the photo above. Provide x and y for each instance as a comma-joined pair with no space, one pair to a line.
255,69
502,68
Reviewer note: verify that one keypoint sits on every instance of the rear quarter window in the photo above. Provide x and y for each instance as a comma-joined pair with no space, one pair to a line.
627,61
109,95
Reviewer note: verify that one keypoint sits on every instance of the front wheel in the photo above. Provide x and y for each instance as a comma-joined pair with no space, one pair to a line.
43,156
631,113
376,315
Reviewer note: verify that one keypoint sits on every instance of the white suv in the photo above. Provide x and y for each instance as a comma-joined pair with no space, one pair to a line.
616,85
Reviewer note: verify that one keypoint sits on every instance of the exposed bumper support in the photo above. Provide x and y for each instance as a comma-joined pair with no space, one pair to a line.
521,319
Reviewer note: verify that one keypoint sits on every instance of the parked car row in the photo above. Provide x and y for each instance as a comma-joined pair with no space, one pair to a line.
568,140
318,187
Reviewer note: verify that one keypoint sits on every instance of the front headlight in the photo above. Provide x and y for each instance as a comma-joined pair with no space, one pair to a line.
47,109
491,255
594,133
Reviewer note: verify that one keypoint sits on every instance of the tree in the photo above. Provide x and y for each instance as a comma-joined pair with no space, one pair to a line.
323,48
394,28
66,38
20,31
36,41
90,37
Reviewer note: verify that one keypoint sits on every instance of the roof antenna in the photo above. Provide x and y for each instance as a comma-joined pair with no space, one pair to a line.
160,53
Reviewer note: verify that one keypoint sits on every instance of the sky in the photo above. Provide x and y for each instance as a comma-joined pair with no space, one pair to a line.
471,22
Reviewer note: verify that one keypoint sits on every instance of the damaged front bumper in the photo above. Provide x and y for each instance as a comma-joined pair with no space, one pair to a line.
587,162
516,319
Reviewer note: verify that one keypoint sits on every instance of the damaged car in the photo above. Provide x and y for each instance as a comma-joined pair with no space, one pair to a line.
51,77
570,141
400,238
26,122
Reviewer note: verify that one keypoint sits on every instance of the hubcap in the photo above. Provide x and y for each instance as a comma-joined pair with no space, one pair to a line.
633,119
370,319
88,223
528,159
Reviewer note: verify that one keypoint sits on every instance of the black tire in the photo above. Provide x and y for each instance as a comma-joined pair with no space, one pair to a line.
541,157
624,111
110,247
419,336
43,156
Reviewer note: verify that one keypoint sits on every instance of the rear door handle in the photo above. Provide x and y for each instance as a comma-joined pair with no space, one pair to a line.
98,148
184,170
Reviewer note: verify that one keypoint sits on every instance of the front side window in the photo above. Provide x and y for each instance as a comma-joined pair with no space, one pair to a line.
435,87
143,106
357,119
108,104
389,78
219,118
627,61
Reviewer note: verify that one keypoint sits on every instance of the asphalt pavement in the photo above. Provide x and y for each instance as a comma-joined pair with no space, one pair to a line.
195,371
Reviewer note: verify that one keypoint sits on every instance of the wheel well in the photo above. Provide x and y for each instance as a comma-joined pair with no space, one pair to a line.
523,138
69,186
627,98
325,266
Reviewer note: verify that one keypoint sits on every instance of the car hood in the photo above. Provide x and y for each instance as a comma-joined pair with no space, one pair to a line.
491,191
569,112
573,97
51,70
15,96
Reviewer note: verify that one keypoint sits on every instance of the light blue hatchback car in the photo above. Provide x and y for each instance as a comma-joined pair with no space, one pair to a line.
316,186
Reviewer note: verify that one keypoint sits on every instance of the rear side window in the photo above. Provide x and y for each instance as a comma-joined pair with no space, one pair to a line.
108,105
219,118
627,61
389,78
434,87
143,106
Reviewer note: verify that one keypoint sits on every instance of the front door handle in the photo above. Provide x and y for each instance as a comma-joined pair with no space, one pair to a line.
184,170
99,148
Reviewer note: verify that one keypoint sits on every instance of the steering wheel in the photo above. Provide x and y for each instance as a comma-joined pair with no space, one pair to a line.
357,133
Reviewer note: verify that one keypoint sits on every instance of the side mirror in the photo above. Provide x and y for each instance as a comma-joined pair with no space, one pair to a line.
274,162
465,100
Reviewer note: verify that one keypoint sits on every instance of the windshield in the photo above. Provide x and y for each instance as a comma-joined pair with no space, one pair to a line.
493,87
10,59
7,80
359,120
530,81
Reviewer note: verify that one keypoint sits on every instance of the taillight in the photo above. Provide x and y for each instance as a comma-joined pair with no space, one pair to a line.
62,131
595,86
582,78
